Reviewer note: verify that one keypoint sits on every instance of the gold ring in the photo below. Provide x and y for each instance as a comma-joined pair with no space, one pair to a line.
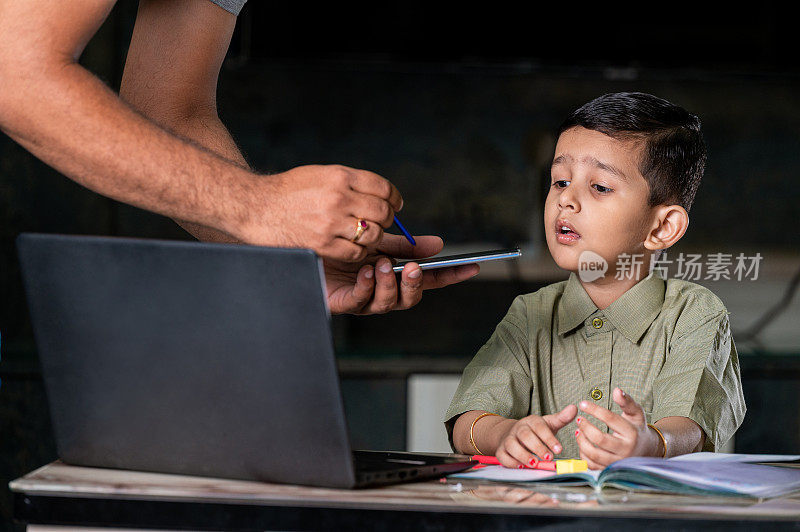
361,226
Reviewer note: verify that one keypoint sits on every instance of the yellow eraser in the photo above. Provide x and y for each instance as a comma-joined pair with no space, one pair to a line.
571,466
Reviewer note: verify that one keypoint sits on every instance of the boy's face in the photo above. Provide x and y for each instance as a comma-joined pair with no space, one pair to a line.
598,193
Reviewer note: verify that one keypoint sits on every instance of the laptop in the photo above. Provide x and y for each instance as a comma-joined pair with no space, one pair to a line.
197,359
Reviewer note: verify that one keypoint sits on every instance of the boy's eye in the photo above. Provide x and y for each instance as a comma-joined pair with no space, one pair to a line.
561,183
601,188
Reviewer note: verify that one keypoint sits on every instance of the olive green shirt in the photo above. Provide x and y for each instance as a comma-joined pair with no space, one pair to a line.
667,344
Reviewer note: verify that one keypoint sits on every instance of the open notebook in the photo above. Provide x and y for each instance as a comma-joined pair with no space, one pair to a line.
699,473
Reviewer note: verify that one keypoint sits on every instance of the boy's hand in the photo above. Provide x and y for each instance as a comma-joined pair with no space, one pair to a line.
630,437
533,437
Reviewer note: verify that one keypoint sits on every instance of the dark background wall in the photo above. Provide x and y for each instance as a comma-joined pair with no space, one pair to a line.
457,107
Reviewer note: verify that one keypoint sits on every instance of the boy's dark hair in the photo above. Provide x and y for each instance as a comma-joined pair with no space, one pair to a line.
674,155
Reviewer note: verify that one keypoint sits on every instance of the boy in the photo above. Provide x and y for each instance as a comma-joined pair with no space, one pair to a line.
652,361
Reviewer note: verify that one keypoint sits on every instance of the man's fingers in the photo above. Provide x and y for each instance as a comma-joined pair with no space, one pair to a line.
397,246
343,250
352,299
614,421
630,408
385,297
410,287
371,183
441,277
600,439
561,419
371,208
365,285
370,237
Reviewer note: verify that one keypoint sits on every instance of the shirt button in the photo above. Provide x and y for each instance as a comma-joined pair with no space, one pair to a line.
597,323
596,394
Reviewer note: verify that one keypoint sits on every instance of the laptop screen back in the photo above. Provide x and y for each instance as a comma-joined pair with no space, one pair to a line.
179,357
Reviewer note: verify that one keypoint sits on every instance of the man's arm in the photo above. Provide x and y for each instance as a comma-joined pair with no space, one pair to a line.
171,74
65,116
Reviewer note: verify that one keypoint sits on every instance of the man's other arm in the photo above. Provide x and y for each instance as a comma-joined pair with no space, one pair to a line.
171,76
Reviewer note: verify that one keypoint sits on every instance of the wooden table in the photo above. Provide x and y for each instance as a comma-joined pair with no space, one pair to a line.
59,494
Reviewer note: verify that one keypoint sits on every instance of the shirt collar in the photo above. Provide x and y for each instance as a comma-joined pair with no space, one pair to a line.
632,313
575,305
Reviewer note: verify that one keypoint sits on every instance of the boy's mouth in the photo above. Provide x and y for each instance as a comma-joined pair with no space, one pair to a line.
565,232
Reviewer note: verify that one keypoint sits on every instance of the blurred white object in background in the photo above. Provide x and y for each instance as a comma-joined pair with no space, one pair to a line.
429,396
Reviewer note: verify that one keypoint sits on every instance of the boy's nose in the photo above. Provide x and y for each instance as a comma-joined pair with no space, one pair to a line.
567,199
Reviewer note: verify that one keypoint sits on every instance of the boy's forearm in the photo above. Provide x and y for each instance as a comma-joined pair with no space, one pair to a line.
488,432
682,436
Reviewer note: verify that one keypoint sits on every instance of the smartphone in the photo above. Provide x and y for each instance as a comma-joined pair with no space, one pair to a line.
458,260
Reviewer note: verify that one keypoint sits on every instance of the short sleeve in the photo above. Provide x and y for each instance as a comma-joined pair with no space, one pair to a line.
233,6
498,378
701,380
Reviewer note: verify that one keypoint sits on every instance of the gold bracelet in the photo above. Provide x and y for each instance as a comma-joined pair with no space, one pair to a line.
472,428
663,440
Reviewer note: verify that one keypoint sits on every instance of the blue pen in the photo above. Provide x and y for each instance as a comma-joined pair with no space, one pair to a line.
406,233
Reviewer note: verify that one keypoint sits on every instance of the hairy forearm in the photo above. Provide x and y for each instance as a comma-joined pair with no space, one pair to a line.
69,119
488,432
207,130
681,434
202,128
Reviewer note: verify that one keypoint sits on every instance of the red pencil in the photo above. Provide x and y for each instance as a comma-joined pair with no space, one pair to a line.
538,464
487,460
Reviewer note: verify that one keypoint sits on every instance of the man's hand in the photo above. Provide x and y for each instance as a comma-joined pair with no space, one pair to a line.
630,437
370,286
319,207
533,438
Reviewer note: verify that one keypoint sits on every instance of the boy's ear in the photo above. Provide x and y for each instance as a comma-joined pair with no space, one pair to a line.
669,225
